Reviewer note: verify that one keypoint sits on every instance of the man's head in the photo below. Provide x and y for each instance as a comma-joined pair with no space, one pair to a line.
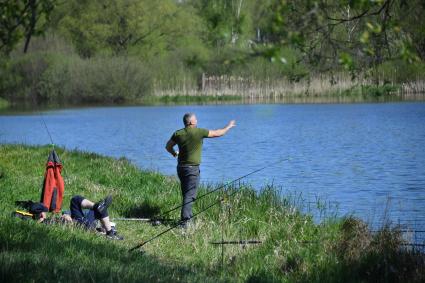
189,120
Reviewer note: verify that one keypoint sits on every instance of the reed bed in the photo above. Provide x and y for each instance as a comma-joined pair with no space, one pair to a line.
316,86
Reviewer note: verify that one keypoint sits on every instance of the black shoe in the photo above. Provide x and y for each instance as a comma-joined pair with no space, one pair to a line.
102,205
112,235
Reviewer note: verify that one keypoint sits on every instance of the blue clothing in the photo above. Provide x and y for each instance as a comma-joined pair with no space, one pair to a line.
86,217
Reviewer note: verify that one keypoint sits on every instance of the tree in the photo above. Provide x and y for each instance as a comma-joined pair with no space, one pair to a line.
139,27
22,19
348,32
225,20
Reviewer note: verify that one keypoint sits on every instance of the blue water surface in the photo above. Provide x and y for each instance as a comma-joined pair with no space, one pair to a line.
361,159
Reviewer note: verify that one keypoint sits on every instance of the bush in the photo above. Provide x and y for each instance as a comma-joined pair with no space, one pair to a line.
21,75
62,78
110,80
398,71
3,104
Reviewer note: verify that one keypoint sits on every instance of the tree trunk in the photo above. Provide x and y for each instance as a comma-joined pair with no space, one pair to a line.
30,31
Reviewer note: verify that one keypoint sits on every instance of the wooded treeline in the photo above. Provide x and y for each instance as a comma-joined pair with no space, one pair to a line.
123,50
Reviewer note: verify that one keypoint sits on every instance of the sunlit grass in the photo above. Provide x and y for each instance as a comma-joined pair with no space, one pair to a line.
294,248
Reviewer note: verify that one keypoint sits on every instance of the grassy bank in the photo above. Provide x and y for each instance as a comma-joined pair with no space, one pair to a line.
294,248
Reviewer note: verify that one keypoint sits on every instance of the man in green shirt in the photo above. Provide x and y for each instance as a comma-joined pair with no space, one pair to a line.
189,141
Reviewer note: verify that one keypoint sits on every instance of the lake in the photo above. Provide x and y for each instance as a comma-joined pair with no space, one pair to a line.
363,159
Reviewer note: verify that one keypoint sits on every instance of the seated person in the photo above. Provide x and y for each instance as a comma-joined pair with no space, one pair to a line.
85,213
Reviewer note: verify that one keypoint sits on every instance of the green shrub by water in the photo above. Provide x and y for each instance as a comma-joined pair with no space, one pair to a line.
294,248
369,91
3,103
68,79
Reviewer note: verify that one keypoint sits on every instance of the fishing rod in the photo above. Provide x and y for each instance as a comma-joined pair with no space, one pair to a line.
205,209
237,242
141,219
223,186
153,221
177,225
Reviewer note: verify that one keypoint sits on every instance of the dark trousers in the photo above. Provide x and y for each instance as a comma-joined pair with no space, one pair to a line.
87,217
189,176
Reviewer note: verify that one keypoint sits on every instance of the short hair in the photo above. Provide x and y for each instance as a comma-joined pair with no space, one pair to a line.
186,118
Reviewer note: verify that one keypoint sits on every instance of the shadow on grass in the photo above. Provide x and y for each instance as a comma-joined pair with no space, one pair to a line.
145,210
34,252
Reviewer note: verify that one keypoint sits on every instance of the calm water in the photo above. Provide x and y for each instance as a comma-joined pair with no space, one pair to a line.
361,158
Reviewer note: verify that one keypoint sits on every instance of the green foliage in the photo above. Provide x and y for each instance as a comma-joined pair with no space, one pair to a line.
22,19
71,79
3,104
164,47
399,71
360,33
66,78
226,21
144,28
21,76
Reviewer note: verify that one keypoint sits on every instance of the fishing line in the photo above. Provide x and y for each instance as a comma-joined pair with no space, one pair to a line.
206,208
223,186
42,119
47,129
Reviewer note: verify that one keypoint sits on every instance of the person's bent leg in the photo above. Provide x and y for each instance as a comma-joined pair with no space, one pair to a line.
103,216
106,223
76,209
87,204
78,203
110,233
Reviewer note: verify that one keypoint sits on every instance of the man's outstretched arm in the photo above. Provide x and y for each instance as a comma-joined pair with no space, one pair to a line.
170,148
221,132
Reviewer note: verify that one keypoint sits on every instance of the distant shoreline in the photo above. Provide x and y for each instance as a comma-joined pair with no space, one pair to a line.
168,100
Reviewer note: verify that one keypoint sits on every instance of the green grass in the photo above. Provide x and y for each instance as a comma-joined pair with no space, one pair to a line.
294,248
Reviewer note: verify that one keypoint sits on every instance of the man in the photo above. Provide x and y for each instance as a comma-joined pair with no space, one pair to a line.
189,141
85,213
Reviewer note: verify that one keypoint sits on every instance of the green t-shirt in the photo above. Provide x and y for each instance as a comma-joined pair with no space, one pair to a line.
189,141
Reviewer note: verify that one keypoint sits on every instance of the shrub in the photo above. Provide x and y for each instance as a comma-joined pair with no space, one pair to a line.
62,78
111,80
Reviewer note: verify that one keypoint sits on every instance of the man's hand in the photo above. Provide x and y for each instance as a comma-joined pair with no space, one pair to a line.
169,147
66,218
231,124
221,132
42,217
